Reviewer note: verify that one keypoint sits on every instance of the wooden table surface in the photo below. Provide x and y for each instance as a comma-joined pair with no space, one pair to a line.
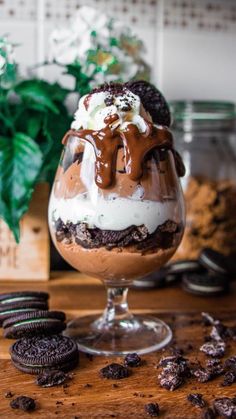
77,295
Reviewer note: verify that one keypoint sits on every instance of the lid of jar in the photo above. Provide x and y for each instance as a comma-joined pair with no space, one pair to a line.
191,115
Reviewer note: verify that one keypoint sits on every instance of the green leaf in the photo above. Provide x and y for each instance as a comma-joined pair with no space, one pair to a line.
20,162
36,92
82,81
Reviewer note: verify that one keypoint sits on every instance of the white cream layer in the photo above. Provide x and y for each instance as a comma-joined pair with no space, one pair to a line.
114,213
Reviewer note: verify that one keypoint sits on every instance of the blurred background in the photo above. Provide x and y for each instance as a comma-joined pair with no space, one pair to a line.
190,44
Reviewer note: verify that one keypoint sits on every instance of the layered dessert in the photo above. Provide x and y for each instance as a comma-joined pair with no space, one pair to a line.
116,209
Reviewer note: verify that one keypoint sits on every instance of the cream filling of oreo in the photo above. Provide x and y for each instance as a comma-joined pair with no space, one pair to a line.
41,319
21,310
16,299
203,288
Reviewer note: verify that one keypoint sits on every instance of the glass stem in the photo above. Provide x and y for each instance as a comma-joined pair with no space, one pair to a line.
117,309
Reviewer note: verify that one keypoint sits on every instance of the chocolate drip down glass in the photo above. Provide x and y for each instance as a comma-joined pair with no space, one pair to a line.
117,233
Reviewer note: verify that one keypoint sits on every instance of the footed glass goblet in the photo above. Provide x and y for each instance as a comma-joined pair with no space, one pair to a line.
116,234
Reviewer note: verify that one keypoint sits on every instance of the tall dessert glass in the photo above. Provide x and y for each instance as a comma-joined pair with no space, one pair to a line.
117,212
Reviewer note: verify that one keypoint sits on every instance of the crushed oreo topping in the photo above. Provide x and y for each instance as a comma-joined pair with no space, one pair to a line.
114,371
196,399
152,409
51,378
94,237
132,360
115,89
24,403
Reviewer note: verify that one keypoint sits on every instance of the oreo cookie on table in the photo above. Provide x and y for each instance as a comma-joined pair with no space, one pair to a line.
34,323
15,303
169,274
204,284
36,354
217,262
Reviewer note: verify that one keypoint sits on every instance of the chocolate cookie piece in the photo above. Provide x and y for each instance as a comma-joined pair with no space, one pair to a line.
225,407
132,360
23,403
196,400
152,409
36,354
153,101
204,284
213,348
51,378
114,371
34,323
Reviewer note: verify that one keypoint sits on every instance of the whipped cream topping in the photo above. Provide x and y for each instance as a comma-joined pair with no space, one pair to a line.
92,110
113,213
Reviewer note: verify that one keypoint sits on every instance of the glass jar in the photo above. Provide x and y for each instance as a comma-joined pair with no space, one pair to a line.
205,137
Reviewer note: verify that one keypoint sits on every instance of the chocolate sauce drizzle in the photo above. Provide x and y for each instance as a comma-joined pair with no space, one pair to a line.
107,140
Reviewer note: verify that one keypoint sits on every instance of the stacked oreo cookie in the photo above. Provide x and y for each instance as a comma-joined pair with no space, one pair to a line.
209,275
40,346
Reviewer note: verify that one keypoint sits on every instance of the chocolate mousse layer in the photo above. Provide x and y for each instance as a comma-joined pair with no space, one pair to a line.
164,236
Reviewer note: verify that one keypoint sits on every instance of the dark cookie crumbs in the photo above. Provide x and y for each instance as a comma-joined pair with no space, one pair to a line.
209,414
51,378
8,395
229,378
213,348
231,363
196,400
114,371
225,406
90,238
152,409
24,403
175,370
132,360
203,374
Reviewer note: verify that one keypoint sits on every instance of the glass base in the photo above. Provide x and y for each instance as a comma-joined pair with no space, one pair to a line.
138,334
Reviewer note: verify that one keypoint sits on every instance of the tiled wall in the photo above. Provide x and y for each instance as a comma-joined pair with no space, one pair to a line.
191,44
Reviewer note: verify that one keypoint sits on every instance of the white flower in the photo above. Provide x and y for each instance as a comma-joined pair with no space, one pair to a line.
116,54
